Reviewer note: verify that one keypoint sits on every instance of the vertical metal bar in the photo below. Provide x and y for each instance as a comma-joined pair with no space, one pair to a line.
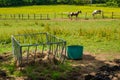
61,54
56,49
20,55
49,45
27,54
43,49
35,52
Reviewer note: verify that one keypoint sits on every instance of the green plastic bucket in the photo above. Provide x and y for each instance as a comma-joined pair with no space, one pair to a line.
75,52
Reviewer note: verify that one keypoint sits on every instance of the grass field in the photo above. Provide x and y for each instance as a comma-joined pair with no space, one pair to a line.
97,36
57,10
53,9
89,33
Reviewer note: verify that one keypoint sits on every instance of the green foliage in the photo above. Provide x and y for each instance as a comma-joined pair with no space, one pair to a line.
115,3
56,75
87,33
18,73
9,67
47,2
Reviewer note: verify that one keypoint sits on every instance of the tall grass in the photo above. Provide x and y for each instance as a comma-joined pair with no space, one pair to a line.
96,36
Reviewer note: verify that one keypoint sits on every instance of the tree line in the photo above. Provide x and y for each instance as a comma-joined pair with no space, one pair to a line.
4,3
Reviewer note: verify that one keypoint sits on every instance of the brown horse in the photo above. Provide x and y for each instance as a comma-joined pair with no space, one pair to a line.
74,14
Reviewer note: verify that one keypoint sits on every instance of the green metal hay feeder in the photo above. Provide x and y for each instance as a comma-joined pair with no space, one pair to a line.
23,44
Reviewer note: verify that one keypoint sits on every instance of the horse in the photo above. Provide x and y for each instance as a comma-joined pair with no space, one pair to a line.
74,14
96,12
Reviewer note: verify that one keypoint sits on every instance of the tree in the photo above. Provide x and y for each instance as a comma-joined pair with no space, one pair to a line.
113,3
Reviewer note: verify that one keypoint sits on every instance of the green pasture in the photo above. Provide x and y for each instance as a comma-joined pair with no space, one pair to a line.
96,35
53,9
59,11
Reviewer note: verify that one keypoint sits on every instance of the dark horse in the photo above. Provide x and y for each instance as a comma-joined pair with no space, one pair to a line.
74,14
96,12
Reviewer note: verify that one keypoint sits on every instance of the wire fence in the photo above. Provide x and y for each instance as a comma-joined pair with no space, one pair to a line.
63,15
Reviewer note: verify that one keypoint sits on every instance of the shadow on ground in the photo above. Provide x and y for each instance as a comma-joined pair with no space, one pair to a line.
88,68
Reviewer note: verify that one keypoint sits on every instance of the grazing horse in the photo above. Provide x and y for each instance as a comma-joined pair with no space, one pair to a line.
96,12
74,14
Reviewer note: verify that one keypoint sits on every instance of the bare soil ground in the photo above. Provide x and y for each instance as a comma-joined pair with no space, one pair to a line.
91,64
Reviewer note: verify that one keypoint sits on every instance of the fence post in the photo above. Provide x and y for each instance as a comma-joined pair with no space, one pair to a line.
54,15
14,16
0,16
11,16
112,15
19,16
34,16
62,15
22,16
103,15
40,16
47,16
28,16
5,16
86,15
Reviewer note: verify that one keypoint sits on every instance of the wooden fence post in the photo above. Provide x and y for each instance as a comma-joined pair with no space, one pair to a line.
22,16
103,15
0,16
28,16
14,16
54,15
19,16
86,15
112,15
47,16
40,16
34,16
5,16
62,15
11,16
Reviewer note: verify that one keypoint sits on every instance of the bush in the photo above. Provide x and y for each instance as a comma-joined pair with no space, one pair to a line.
112,4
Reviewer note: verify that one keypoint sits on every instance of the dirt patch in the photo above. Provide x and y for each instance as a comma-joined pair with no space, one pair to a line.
96,67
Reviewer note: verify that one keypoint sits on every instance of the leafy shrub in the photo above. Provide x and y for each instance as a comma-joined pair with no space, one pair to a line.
112,4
